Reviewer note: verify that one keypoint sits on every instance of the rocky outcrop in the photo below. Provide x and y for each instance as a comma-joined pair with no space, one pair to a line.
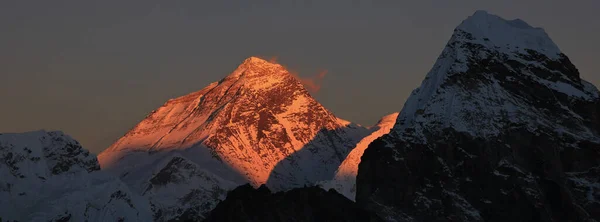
47,176
501,129
258,125
183,191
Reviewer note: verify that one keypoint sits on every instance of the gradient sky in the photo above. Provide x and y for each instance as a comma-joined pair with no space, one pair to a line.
95,69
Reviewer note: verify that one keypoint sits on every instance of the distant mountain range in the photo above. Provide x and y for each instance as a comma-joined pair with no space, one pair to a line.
501,129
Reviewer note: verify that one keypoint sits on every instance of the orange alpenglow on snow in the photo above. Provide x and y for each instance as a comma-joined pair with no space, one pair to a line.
312,84
345,176
259,123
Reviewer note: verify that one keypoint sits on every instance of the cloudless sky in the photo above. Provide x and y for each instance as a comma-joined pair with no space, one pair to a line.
93,69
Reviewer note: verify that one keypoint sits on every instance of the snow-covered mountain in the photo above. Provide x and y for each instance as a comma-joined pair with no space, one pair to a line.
47,176
344,181
502,128
257,125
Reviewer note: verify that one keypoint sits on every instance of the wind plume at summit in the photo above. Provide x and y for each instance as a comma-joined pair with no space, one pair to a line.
96,69
486,111
311,83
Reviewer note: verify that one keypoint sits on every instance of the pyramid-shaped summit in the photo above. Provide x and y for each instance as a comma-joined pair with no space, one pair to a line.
257,125
259,108
495,72
501,129
255,67
508,35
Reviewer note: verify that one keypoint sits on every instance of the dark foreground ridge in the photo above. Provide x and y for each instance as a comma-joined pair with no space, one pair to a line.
301,204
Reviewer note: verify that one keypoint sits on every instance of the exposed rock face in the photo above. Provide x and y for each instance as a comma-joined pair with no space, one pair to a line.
257,125
47,176
300,204
501,129
183,191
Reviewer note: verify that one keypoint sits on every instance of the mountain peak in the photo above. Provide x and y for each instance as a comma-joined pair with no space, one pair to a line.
484,17
508,35
256,67
501,107
490,60
256,62
517,23
257,125
260,112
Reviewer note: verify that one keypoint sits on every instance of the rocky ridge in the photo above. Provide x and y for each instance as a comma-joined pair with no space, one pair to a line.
258,125
502,128
48,176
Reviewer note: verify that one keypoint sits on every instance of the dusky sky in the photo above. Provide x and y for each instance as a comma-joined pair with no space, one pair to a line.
93,69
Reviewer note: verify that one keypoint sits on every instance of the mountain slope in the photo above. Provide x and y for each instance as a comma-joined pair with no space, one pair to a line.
257,125
345,176
502,128
47,176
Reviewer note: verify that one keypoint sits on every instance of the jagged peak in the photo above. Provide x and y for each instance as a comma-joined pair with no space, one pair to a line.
253,63
258,61
484,61
508,35
481,17
254,67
